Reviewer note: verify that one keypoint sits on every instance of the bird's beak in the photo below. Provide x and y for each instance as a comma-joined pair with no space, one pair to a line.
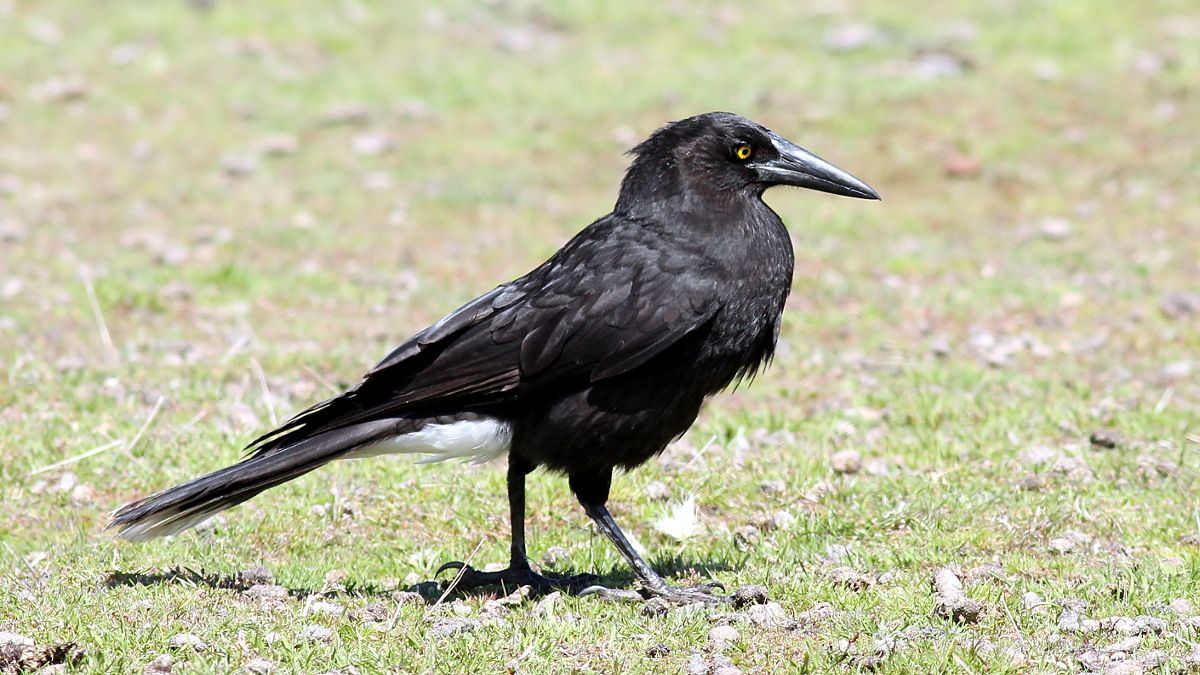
799,167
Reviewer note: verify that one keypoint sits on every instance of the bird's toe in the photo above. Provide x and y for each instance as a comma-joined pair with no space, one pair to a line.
703,594
615,594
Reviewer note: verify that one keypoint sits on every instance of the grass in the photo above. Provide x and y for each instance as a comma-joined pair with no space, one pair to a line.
959,340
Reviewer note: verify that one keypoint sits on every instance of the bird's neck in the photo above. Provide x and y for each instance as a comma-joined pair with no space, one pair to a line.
733,214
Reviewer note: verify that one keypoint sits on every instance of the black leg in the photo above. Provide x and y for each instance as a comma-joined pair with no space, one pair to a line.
517,470
518,573
609,528
592,491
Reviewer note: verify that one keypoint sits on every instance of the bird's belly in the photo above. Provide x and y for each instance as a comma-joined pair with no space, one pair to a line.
607,425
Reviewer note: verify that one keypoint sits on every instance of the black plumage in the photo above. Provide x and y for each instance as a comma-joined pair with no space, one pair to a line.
594,360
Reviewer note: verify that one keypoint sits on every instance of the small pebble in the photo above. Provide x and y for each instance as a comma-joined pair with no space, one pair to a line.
324,608
14,639
720,637
717,663
315,633
371,143
658,650
658,491
186,640
237,165
554,555
547,606
444,628
768,615
656,607
1032,602
746,534
1105,438
1060,545
1179,305
277,145
336,577
1181,607
162,664
266,592
1055,229
259,666
851,36
772,487
851,578
346,113
376,612
782,520
749,595
846,462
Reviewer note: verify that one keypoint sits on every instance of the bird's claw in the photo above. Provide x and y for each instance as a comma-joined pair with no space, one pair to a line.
452,565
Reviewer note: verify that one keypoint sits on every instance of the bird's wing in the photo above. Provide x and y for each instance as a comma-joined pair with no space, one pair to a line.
606,303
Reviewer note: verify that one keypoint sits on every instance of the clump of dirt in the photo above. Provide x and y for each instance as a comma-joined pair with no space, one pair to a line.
23,656
950,601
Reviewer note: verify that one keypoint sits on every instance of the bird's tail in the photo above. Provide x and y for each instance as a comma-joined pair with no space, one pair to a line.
178,508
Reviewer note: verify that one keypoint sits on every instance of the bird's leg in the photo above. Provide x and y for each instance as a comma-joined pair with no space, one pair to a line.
518,572
592,492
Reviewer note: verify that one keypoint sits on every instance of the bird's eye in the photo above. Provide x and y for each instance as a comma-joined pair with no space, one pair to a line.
743,152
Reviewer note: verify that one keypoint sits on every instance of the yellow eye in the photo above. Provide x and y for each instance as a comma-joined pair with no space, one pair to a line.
743,152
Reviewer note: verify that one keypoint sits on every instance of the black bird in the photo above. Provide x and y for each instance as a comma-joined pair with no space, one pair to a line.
596,359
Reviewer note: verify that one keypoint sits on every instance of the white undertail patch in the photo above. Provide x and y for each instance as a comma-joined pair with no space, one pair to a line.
475,441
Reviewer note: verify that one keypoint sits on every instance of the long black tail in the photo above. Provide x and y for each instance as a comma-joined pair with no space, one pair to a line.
178,508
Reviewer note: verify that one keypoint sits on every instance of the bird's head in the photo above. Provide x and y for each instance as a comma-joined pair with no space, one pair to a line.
721,156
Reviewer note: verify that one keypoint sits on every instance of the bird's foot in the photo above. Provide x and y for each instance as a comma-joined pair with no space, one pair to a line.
513,578
702,594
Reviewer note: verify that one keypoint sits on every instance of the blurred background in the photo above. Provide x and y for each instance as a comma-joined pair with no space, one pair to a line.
213,214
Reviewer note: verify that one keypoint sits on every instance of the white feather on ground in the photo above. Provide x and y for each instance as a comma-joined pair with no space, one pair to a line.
681,521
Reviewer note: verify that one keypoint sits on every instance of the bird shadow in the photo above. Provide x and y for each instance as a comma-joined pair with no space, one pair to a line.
616,576
186,576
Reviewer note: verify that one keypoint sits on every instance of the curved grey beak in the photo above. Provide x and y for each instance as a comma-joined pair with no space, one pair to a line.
799,167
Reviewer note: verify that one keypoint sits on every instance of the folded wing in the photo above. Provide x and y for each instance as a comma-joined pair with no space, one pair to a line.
598,309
